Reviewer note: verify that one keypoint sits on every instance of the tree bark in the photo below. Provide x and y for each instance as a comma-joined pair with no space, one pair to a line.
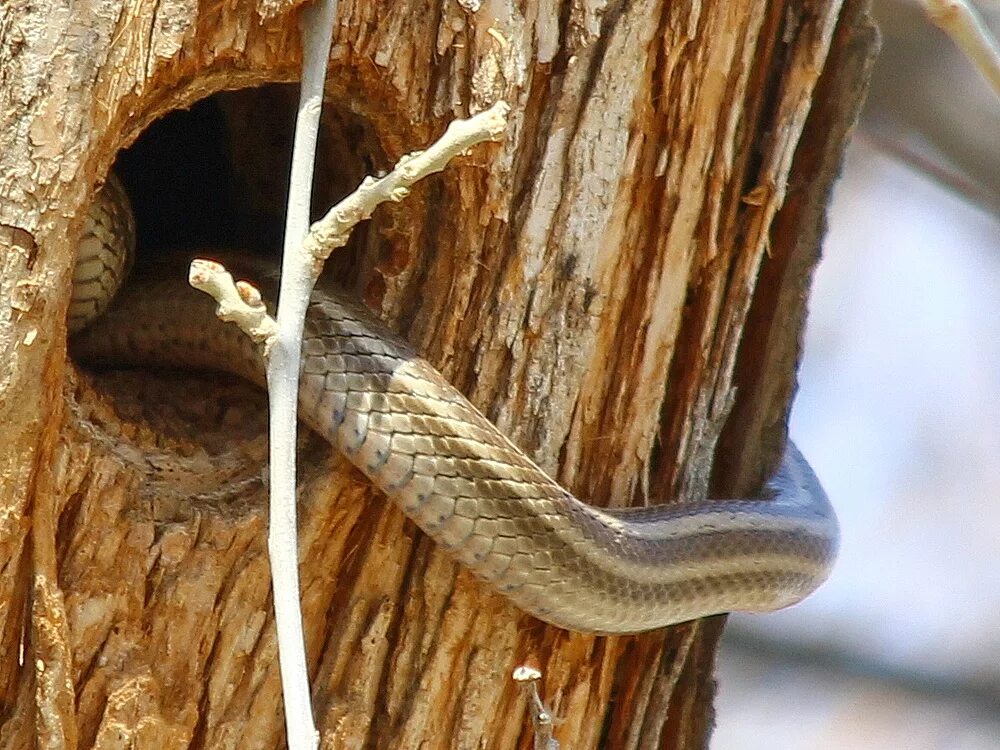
620,285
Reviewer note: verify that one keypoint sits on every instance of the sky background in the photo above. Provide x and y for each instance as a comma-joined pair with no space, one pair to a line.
899,412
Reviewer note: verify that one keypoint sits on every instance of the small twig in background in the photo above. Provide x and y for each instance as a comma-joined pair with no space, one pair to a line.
959,21
933,166
541,718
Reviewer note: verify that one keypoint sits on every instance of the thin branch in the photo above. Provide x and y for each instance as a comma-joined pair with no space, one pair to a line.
302,262
933,166
283,382
959,21
238,302
333,230
527,679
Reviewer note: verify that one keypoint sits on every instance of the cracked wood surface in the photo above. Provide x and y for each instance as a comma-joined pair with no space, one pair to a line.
591,283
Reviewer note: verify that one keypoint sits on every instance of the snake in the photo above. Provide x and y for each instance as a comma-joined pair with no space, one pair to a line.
456,475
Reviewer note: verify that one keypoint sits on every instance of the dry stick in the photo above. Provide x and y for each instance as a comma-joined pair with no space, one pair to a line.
541,718
281,341
957,19
238,302
283,383
301,266
332,231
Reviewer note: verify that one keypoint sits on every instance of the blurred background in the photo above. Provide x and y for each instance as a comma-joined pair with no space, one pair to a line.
899,412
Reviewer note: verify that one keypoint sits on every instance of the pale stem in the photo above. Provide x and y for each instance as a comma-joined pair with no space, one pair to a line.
283,382
527,679
333,230
958,19
302,261
238,302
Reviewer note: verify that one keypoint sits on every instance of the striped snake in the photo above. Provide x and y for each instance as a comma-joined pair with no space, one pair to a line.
463,482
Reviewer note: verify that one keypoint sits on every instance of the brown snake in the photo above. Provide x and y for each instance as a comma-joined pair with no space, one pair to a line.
462,481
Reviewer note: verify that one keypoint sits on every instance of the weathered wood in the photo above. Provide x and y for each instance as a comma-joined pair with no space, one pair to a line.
587,283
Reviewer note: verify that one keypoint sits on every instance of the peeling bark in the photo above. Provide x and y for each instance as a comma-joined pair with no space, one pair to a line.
599,284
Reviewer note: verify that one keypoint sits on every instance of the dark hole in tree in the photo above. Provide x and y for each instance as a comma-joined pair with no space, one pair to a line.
215,177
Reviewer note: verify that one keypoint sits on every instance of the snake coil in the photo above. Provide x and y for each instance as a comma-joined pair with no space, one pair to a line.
424,445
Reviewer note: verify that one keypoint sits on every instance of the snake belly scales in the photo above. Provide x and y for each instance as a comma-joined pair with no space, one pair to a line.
457,476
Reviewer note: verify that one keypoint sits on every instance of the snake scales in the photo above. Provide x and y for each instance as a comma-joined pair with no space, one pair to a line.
450,470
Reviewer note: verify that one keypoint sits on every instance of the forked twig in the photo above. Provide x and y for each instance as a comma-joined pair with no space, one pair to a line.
281,339
333,230
238,302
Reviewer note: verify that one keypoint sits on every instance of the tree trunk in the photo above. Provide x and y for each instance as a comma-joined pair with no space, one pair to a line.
619,285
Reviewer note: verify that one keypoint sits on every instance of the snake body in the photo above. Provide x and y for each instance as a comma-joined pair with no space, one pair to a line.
424,445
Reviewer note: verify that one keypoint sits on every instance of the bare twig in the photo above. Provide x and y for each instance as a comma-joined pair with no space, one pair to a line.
302,262
239,302
957,19
283,382
541,718
932,167
332,231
